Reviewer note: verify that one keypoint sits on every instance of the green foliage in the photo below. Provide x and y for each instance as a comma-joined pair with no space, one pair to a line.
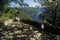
47,3
15,12
52,16
30,10
7,12
24,15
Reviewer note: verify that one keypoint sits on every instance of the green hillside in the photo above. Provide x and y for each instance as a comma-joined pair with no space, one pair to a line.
30,10
24,13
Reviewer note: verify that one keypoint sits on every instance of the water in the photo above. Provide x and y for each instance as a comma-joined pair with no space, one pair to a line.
36,17
40,11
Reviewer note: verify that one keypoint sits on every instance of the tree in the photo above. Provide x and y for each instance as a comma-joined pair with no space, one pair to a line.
52,14
7,12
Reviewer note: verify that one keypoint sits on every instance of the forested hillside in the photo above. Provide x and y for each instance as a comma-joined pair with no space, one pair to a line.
30,10
23,13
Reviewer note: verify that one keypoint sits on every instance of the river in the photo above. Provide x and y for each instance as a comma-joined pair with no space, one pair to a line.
35,17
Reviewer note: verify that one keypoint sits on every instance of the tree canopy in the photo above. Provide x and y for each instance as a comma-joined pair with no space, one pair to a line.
52,12
7,12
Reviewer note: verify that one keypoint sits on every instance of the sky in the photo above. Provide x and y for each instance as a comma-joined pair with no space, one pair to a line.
31,3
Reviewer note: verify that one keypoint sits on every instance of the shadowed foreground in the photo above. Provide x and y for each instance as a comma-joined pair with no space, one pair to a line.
47,29
27,30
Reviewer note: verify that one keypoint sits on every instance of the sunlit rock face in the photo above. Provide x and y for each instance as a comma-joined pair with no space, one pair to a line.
11,22
8,22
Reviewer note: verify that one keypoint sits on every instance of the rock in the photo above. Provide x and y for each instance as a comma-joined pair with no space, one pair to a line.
32,38
1,23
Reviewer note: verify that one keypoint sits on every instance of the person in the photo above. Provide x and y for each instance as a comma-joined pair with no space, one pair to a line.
17,19
31,31
42,26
